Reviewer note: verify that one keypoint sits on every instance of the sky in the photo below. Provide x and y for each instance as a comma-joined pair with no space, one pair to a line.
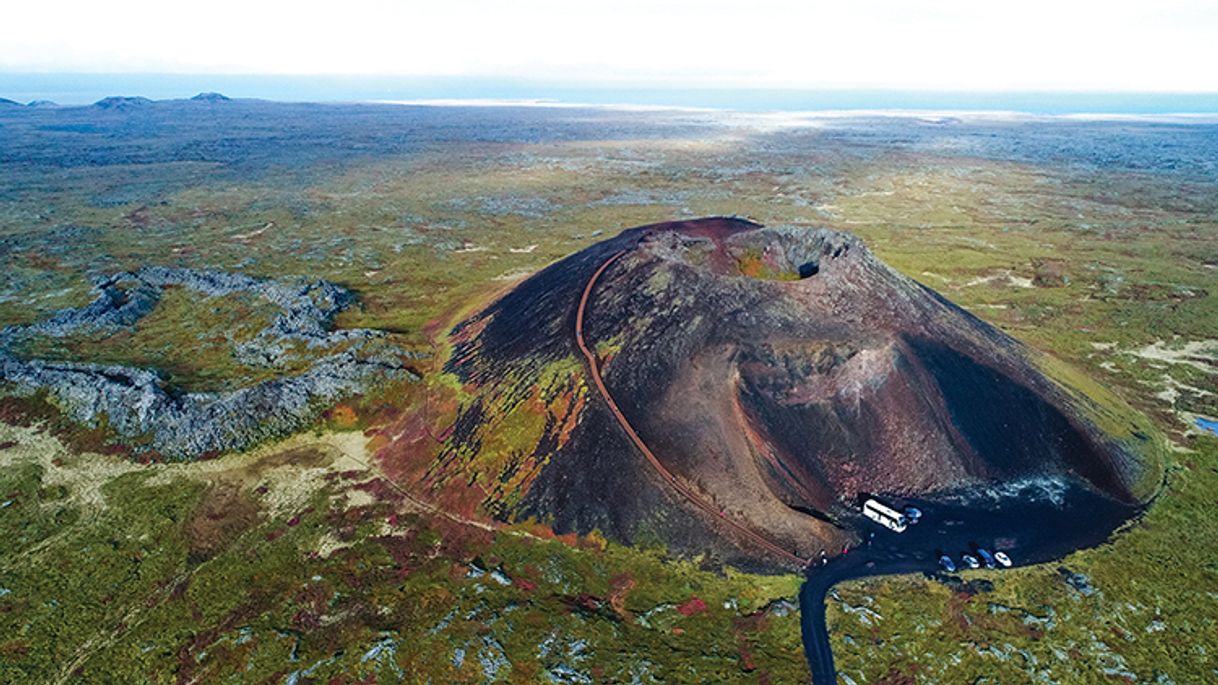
999,45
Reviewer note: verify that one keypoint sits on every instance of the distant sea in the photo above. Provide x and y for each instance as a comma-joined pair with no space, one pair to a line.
79,89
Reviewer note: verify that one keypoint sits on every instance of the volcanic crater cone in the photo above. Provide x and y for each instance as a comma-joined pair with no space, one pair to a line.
773,374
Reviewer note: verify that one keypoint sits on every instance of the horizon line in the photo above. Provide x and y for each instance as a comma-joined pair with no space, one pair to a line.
612,84
774,117
71,89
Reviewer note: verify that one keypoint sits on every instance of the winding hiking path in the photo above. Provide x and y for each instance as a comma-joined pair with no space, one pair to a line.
695,499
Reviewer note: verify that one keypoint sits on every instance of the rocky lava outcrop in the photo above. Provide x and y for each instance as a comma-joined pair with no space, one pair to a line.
138,405
778,373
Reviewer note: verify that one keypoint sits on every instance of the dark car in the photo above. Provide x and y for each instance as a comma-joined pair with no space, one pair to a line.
947,563
986,558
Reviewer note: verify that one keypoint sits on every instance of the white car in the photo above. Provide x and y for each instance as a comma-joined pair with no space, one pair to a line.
970,561
1002,559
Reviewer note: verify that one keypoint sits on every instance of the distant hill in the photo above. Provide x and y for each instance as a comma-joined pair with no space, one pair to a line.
42,104
5,102
211,97
120,102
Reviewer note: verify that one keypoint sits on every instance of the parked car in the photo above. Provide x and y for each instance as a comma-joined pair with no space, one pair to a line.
970,561
947,564
913,514
1002,559
986,558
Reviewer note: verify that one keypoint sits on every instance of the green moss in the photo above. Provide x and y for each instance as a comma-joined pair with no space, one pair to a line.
31,512
85,583
269,603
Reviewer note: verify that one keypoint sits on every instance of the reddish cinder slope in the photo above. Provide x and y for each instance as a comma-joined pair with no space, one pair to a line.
696,499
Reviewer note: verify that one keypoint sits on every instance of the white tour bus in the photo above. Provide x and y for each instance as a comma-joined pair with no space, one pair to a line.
885,516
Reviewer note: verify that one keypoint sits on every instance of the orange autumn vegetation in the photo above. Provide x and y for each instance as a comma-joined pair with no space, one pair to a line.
344,417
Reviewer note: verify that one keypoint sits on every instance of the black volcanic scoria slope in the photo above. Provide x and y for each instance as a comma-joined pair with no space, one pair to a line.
775,374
